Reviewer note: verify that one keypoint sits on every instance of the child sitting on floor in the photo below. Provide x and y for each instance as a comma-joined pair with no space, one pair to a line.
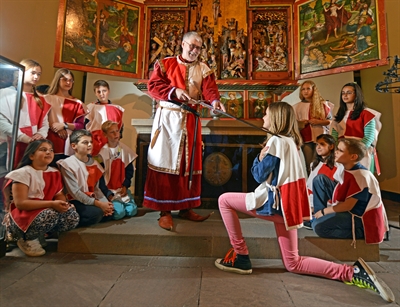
118,164
325,173
357,210
83,178
35,200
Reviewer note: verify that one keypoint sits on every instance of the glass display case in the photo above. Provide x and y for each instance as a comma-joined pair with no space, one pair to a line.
11,82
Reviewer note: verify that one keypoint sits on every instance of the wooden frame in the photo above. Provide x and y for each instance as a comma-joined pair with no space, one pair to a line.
101,37
334,36
166,3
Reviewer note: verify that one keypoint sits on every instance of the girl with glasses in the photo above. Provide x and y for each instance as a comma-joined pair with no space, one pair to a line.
35,200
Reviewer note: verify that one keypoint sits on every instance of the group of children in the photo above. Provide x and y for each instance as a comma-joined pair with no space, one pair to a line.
344,192
282,198
352,120
65,176
354,129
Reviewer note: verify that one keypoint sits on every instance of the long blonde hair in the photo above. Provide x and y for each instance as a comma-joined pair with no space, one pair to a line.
55,83
317,109
282,118
28,63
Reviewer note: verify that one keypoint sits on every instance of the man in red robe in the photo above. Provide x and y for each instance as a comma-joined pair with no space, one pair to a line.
173,182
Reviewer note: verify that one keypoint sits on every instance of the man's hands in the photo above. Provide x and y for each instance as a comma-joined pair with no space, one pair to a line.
182,94
217,105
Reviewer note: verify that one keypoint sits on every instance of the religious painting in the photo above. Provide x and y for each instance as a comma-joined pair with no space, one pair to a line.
166,29
100,36
334,36
223,29
233,54
233,102
258,103
271,41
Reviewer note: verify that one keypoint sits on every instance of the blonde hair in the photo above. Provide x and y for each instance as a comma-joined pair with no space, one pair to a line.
283,121
317,109
55,83
29,64
107,125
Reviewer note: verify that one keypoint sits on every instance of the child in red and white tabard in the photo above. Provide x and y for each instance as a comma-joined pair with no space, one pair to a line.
66,115
357,210
355,120
35,200
118,163
101,111
33,118
83,178
325,173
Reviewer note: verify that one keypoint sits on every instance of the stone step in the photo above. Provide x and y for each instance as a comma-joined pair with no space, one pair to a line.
141,235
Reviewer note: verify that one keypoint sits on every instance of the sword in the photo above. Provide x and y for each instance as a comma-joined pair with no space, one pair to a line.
205,103
193,152
196,115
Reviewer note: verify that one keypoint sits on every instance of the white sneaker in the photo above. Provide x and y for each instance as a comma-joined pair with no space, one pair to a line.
31,247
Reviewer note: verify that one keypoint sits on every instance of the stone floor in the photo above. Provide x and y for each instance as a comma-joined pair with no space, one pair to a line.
67,279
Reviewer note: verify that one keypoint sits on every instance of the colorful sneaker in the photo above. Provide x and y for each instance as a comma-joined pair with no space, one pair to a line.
364,277
234,263
31,247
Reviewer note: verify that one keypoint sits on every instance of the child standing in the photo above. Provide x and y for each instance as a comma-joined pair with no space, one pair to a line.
355,120
33,118
313,114
67,113
282,198
118,161
325,174
38,204
357,210
83,178
101,111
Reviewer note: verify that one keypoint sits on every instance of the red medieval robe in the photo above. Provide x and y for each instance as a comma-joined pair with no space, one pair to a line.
167,179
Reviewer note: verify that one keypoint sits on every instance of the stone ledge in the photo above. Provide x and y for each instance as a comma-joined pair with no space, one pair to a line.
141,235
